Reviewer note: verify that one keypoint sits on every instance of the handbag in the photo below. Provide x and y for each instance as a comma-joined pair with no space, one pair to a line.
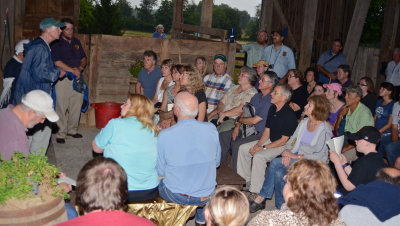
248,111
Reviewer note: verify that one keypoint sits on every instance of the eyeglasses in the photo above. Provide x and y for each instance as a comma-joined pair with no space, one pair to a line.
292,76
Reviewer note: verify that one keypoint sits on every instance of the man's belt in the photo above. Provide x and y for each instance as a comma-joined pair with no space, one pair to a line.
201,199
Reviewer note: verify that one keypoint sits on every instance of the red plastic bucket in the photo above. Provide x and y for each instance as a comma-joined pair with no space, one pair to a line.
105,112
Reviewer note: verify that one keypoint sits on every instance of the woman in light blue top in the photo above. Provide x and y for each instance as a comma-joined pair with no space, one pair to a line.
131,141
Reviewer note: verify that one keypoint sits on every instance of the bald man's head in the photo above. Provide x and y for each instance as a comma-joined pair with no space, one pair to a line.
389,175
186,105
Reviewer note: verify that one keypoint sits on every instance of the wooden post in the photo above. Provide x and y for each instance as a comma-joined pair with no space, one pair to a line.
307,36
267,7
285,24
206,15
178,16
230,54
355,30
389,30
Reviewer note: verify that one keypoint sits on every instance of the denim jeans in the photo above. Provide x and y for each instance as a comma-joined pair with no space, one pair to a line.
71,211
385,140
392,152
169,196
274,181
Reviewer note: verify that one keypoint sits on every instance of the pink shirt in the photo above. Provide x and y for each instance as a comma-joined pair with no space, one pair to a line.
12,134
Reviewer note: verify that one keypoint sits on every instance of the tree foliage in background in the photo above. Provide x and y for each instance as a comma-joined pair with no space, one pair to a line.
114,16
164,14
226,17
100,17
252,25
145,15
86,18
373,24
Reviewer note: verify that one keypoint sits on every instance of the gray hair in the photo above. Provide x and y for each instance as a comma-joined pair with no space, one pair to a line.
396,50
285,91
354,89
251,74
26,108
185,111
273,77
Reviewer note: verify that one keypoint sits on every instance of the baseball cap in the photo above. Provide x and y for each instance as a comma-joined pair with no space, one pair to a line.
335,87
368,133
220,56
19,47
49,22
40,101
261,62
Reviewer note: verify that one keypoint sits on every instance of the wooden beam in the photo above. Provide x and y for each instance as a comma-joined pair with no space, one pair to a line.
178,16
231,58
307,36
202,30
389,30
355,30
284,22
206,15
267,7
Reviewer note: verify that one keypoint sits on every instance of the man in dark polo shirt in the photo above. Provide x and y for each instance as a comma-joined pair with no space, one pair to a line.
281,124
68,55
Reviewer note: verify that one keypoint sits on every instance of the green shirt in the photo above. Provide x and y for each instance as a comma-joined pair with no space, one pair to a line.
254,53
361,117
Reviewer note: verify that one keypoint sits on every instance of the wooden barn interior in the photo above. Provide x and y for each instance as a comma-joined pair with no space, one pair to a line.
309,23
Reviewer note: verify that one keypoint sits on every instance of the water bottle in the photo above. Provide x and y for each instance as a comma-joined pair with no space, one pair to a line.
231,37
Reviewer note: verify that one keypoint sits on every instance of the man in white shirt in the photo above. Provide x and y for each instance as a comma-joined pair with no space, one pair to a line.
393,72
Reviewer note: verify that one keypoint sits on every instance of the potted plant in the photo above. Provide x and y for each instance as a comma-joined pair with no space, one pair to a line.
29,191
134,69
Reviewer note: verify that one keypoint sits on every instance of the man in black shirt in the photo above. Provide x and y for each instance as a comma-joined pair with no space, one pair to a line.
281,124
365,168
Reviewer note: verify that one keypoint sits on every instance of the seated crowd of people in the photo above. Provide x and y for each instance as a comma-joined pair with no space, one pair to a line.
271,128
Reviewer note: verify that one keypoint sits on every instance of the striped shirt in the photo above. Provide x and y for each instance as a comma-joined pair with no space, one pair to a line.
215,88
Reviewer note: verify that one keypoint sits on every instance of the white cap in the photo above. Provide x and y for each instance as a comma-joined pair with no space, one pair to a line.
40,101
19,47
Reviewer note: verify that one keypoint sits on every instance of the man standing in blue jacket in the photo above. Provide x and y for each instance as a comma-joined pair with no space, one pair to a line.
39,72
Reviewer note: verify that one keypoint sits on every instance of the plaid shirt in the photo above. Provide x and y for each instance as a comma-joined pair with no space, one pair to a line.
215,88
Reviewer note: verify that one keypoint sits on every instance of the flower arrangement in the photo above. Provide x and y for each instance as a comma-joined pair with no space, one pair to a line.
136,67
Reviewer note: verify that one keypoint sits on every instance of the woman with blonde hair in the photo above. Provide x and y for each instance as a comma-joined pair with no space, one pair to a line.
131,141
201,65
227,207
309,198
192,82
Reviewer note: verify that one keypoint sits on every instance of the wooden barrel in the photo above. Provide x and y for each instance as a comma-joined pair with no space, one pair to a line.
48,213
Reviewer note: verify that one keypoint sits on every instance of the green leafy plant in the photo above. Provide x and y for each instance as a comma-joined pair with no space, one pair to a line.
19,177
136,67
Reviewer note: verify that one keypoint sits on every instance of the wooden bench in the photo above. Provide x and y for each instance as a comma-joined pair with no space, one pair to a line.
226,176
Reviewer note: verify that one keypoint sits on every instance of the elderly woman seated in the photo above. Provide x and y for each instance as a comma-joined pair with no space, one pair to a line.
309,198
307,142
131,141
231,104
227,206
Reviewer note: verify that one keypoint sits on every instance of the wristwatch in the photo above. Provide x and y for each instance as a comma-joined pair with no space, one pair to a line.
264,147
